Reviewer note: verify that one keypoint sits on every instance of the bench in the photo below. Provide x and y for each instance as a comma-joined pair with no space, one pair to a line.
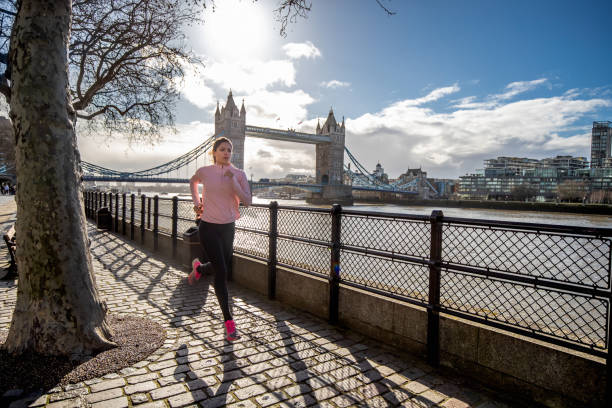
11,245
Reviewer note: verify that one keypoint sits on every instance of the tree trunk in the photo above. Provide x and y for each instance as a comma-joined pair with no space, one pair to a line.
58,311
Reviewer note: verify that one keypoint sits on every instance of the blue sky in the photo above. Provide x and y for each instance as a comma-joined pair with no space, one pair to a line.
441,85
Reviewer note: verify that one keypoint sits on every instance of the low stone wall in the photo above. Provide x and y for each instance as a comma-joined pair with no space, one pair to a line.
553,376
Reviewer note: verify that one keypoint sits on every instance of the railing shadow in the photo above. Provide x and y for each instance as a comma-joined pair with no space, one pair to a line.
307,360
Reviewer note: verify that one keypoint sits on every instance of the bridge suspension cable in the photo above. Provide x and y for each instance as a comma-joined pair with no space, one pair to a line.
175,164
373,180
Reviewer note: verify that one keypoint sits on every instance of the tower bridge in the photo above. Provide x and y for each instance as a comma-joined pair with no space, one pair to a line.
333,184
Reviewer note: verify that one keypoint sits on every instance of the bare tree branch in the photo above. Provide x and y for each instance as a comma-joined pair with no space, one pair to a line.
389,12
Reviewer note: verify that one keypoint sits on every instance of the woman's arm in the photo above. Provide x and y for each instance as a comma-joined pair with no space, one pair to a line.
241,188
193,185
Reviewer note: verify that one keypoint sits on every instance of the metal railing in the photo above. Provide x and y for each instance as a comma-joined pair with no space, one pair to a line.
548,282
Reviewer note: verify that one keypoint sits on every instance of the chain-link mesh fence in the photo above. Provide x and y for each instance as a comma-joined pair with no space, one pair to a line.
571,316
534,279
568,258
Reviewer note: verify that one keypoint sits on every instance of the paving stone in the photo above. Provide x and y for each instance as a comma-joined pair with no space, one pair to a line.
324,393
172,379
142,378
168,391
219,401
295,390
278,383
138,398
154,404
243,404
455,403
415,387
107,384
121,402
71,403
304,400
248,392
186,398
270,398
140,387
68,394
104,395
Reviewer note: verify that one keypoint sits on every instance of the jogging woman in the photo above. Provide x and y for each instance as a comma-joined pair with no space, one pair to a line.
224,187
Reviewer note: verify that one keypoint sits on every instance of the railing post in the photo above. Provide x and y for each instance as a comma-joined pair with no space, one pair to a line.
143,199
116,212
123,205
155,221
104,195
95,204
110,205
174,225
132,203
86,202
334,270
433,306
272,243
149,213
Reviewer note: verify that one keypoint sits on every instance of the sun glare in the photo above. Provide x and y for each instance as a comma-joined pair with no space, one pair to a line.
236,30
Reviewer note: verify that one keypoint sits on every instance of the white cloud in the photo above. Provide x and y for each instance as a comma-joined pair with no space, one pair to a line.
430,97
252,76
301,50
516,88
451,144
334,83
265,107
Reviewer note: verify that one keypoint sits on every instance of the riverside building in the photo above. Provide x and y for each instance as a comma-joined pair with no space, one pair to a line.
519,178
601,139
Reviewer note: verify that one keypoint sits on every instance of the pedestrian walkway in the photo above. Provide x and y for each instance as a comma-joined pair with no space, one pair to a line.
285,358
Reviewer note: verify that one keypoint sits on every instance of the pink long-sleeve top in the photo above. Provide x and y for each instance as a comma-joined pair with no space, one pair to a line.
221,194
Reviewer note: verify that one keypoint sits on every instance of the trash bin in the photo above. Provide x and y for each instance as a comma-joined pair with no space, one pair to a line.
104,220
193,249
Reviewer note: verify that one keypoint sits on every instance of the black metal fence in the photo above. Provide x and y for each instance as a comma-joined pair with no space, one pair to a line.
548,282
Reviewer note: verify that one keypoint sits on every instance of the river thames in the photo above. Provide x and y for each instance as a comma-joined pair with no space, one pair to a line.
582,220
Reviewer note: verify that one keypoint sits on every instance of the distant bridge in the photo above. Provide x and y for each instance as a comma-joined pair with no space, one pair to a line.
333,179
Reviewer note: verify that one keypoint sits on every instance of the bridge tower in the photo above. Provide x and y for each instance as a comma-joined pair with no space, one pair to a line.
330,164
330,156
232,122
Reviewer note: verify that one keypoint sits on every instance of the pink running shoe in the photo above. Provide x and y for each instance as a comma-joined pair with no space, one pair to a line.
194,276
230,331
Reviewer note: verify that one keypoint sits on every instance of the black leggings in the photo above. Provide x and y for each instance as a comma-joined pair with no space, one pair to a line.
218,243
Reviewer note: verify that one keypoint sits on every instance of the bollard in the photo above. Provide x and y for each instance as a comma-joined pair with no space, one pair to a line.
433,305
334,270
272,243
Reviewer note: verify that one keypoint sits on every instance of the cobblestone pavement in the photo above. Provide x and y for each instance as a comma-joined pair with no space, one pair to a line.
285,358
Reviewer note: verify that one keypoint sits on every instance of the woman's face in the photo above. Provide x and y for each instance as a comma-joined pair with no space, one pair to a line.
223,153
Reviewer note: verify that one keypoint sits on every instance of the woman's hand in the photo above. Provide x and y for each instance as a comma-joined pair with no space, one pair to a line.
197,209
